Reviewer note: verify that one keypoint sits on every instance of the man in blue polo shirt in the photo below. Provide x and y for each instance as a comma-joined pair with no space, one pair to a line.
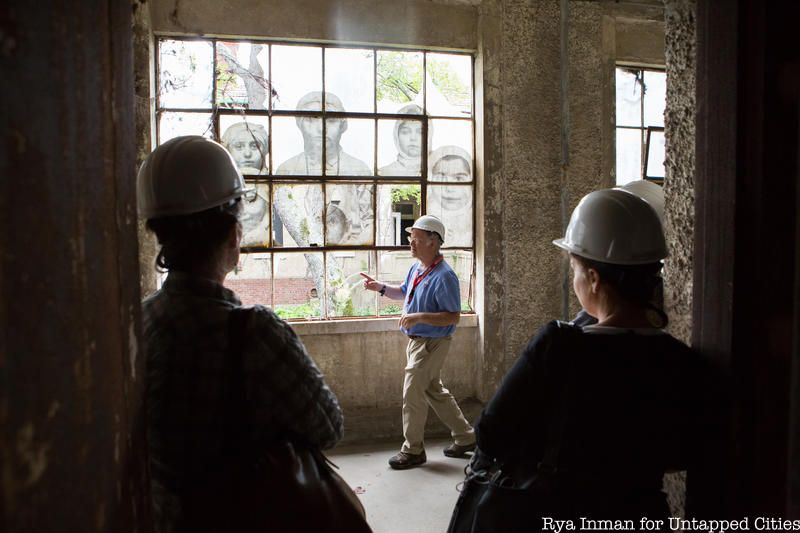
431,309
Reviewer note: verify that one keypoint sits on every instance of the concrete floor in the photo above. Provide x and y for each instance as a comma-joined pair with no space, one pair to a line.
418,500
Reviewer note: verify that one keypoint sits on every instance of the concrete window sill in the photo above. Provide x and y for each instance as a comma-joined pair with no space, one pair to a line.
362,325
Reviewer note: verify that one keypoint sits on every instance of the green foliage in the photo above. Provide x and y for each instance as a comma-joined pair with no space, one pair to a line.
399,77
465,307
448,83
407,192
304,231
392,309
297,311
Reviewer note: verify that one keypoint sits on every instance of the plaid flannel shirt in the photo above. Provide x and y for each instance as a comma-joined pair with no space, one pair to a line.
186,337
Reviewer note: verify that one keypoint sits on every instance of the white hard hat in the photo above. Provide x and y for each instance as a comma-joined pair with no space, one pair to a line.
429,223
650,192
617,227
187,175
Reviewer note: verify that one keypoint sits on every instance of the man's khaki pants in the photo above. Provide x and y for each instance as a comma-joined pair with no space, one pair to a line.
423,387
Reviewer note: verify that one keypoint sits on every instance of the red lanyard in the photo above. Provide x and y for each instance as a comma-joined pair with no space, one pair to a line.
418,278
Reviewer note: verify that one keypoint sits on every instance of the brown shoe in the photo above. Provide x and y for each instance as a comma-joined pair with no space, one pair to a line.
458,451
404,460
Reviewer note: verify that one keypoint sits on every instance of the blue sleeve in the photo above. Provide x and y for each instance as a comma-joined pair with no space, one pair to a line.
448,295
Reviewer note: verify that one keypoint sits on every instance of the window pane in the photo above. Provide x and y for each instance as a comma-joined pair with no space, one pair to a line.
399,78
242,74
392,270
450,139
351,146
349,216
346,286
400,145
296,72
453,205
629,98
449,85
450,163
251,280
300,210
247,139
656,156
297,146
349,75
398,208
255,216
185,74
299,285
655,97
461,262
172,125
629,155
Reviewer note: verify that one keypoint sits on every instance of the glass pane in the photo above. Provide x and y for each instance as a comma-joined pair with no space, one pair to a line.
453,205
299,285
655,97
346,286
348,74
172,125
185,74
450,163
349,216
242,75
247,139
400,145
629,98
393,268
300,210
296,72
449,85
251,280
656,156
398,208
461,262
399,79
297,146
350,146
629,155
255,216
449,138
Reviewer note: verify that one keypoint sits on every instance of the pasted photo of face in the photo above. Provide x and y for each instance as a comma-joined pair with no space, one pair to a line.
451,164
248,143
254,218
409,138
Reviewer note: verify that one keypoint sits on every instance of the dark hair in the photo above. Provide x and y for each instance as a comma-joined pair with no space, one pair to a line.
191,240
639,284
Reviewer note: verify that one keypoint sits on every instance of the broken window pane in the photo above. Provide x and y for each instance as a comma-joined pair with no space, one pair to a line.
255,216
453,205
251,280
398,208
449,138
349,215
655,97
350,147
400,145
393,268
656,155
349,75
247,139
346,286
296,72
172,125
297,146
185,74
629,97
399,80
242,74
461,262
629,155
299,285
300,210
449,85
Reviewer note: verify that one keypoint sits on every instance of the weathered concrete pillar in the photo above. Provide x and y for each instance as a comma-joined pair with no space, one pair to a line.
71,430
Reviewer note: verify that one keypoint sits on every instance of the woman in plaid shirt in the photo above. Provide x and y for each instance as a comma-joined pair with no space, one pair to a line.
189,191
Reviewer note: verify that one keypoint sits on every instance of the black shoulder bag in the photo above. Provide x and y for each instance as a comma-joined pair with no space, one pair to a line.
288,486
491,501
